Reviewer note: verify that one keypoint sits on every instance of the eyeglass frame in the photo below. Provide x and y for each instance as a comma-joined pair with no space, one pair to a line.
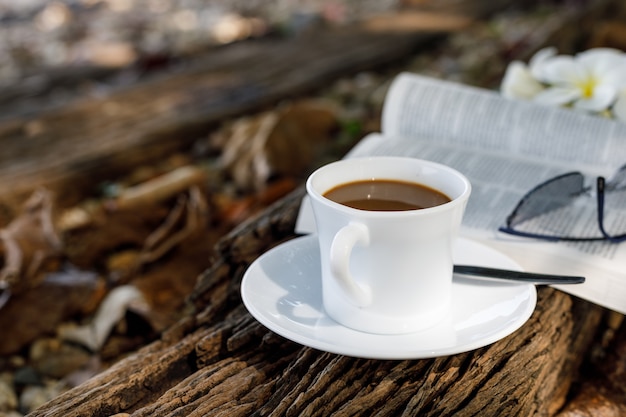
600,192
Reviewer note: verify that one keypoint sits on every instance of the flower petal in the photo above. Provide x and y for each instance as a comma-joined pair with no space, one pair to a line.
538,59
595,56
519,83
557,96
563,70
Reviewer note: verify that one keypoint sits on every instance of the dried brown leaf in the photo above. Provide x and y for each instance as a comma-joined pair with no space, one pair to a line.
110,312
233,212
193,210
28,241
275,143
160,188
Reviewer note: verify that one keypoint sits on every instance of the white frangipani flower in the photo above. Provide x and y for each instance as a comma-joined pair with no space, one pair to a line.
593,81
589,81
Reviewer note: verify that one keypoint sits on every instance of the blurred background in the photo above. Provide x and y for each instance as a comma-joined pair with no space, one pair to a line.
57,49
60,48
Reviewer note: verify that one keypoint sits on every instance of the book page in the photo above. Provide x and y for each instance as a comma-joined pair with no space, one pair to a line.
473,118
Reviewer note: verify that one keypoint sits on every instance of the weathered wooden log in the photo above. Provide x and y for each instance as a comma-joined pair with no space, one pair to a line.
220,361
603,390
71,149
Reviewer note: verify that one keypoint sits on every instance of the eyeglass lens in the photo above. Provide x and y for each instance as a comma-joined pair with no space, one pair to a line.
551,195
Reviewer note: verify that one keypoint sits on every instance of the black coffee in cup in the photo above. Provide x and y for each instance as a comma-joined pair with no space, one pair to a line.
386,195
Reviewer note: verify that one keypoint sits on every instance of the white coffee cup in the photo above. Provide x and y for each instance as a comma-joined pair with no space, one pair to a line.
387,272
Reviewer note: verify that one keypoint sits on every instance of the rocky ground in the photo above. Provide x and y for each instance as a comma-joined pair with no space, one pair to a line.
52,53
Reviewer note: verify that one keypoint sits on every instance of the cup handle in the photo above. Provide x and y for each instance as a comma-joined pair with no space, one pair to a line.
340,250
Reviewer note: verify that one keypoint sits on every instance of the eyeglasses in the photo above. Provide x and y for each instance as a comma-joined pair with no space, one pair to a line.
560,192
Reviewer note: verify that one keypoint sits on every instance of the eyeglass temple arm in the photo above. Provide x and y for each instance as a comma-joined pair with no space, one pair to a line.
600,188
600,185
511,231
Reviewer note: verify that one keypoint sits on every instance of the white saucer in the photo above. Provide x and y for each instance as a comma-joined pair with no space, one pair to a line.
282,290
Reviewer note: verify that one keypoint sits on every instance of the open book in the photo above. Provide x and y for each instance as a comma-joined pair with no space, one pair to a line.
506,148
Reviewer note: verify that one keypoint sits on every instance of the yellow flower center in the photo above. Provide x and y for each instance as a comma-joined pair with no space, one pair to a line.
587,86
